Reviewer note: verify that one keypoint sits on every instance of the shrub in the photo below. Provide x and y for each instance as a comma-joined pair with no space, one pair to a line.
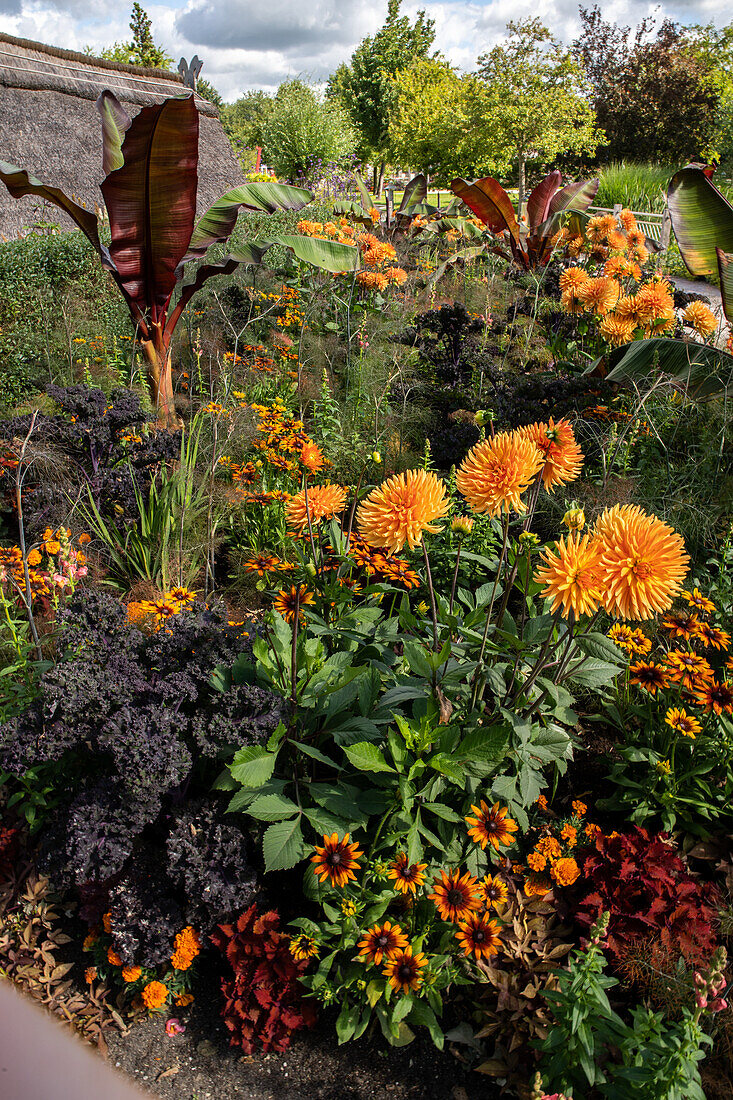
134,719
650,895
263,1001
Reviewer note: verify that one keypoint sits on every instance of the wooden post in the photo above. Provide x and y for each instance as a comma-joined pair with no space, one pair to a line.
389,203
666,233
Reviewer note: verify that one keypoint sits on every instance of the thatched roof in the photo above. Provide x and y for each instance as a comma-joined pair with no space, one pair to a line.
49,125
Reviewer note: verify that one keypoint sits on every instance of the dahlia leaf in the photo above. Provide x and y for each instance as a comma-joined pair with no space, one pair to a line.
367,757
283,845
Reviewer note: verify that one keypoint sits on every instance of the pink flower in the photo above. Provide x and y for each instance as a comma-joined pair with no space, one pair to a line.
718,1004
701,1000
174,1027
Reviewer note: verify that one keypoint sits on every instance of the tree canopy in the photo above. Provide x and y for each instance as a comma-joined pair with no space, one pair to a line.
301,132
537,97
141,49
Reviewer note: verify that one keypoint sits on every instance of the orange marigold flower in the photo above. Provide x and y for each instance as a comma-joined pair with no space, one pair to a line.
684,723
154,995
537,885
336,860
491,826
569,834
479,936
494,893
406,876
184,1000
649,676
113,958
382,941
562,456
549,847
90,940
699,317
643,562
35,557
565,871
403,970
496,472
716,697
187,947
580,808
288,601
90,974
593,831
401,509
107,923
455,895
536,861
570,575
599,296
131,973
318,501
84,539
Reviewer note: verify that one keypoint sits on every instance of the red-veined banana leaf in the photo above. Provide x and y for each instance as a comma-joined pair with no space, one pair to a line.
538,203
217,224
19,183
702,218
702,370
489,202
115,124
151,203
574,196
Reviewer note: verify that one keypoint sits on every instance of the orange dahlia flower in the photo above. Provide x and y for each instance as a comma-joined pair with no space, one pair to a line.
563,457
312,457
322,501
655,305
643,562
571,575
495,473
599,296
573,278
700,318
401,509
616,330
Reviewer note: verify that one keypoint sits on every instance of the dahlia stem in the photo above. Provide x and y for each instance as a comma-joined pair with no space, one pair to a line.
475,692
310,525
455,578
433,608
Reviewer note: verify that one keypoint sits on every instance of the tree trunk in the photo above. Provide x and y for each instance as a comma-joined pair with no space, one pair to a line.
160,380
520,200
380,180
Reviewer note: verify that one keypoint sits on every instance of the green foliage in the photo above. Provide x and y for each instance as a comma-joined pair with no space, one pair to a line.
245,119
365,86
301,130
590,1046
634,185
536,98
141,49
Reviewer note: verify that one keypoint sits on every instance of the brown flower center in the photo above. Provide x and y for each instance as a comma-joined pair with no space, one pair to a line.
333,859
404,972
479,936
455,897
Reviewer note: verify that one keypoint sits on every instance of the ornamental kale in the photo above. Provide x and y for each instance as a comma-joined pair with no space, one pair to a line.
136,721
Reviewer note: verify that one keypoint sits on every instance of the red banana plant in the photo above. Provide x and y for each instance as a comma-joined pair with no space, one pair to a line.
151,179
529,241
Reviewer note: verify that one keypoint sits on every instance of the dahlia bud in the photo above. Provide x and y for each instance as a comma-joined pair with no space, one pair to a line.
483,416
574,519
462,525
310,569
376,457
528,538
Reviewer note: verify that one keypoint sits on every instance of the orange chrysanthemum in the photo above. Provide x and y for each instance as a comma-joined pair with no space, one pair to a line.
312,457
479,936
570,575
599,296
455,895
154,995
336,860
573,278
403,970
382,941
495,473
562,456
401,509
491,826
323,501
406,876
642,562
700,318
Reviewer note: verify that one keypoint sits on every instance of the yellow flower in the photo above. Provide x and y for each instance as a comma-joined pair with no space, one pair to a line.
496,472
698,316
599,296
401,509
574,519
684,723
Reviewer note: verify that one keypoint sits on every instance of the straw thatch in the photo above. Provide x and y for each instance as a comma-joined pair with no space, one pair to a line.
49,126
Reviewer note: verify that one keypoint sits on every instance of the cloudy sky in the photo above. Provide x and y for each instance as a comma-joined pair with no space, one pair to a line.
254,44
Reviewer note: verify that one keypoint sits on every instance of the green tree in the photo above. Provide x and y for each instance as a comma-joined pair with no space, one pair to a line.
365,86
141,49
301,132
713,47
537,98
438,123
245,119
208,91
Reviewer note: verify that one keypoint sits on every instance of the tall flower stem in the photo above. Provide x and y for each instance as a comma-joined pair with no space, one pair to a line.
502,555
433,608
455,577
